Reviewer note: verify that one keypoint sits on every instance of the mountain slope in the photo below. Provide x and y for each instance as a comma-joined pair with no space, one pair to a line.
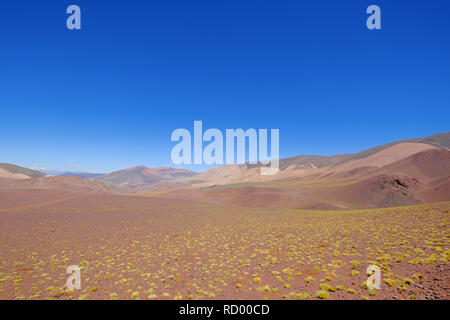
12,168
9,175
424,166
59,183
440,140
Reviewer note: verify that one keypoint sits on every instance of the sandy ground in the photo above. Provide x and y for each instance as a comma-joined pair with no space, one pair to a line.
144,248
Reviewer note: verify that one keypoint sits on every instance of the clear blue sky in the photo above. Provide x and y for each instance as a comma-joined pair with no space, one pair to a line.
108,97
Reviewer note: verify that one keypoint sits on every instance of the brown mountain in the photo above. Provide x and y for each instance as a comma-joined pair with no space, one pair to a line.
399,173
133,178
13,177
440,141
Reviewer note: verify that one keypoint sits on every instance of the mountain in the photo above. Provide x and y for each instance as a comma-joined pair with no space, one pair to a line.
132,178
440,140
81,174
315,168
399,173
16,172
13,177
57,183
52,172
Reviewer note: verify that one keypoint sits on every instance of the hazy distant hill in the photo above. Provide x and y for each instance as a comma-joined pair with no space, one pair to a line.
141,175
81,174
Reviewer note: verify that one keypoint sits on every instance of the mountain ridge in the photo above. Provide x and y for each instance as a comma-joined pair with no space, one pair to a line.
141,175
15,169
403,172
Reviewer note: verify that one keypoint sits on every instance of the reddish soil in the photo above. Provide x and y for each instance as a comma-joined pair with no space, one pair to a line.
136,247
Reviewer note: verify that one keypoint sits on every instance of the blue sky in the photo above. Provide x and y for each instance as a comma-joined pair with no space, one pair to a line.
109,96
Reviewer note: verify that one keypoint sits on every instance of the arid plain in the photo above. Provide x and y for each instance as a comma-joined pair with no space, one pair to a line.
132,247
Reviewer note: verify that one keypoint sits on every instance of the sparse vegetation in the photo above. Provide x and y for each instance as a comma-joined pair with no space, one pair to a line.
149,253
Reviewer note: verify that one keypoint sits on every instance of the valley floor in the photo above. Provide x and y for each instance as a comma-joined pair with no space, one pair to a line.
144,248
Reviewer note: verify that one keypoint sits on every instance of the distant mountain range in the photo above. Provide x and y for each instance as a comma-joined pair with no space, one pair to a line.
136,177
79,174
49,182
395,174
399,173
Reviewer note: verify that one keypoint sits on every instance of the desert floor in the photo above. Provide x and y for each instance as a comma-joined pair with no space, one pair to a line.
142,248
